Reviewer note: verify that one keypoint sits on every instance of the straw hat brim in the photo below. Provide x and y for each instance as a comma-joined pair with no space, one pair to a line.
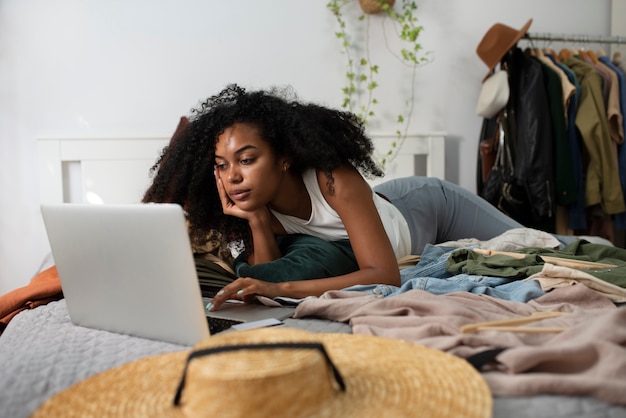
383,377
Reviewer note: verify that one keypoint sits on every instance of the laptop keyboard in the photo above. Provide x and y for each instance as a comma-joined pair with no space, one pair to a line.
220,324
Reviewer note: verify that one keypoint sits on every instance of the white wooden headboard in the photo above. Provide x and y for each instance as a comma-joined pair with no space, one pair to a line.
416,155
116,170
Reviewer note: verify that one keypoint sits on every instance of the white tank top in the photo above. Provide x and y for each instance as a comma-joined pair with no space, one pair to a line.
326,224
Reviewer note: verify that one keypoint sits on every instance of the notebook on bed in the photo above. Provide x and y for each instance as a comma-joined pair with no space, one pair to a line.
129,269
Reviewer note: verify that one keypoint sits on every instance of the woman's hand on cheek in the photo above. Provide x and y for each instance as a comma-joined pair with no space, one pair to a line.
228,206
245,289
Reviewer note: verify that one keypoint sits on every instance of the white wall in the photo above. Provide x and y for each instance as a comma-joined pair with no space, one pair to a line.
89,68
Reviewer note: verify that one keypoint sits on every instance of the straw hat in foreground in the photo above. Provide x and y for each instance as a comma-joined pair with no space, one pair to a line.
282,372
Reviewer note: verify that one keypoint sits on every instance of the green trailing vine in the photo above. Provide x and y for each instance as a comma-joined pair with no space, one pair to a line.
361,84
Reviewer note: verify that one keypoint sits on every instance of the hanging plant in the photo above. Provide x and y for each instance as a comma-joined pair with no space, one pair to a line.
362,74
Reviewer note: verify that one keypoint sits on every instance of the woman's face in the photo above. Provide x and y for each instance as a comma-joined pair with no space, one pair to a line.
249,170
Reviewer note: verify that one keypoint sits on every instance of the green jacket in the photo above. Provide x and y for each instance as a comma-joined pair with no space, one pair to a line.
468,262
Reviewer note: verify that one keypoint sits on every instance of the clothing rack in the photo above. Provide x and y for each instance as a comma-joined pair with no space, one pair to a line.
595,39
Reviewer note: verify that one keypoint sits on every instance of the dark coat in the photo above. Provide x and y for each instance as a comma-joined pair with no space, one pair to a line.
529,135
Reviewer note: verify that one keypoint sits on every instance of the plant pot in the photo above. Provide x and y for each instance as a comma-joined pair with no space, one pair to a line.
373,7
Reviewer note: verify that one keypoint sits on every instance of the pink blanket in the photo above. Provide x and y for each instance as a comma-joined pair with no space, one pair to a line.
587,359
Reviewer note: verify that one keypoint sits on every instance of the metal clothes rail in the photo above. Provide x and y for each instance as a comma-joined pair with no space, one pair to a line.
574,38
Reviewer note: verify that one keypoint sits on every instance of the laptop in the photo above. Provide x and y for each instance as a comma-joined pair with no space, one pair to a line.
129,268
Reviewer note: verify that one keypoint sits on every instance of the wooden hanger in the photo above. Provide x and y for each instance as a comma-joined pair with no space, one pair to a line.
583,54
564,54
592,56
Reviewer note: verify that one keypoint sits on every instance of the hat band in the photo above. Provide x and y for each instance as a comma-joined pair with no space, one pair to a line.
216,350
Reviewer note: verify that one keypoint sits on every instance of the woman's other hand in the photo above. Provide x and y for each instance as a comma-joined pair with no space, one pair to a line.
245,289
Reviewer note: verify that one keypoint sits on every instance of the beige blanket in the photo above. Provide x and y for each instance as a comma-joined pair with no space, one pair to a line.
552,277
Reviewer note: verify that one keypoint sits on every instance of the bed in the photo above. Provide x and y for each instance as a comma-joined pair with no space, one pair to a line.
43,353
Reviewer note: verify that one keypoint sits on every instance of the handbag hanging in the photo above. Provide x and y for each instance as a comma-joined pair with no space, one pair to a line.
488,149
492,187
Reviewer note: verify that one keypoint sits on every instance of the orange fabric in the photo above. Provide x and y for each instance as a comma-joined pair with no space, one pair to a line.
45,287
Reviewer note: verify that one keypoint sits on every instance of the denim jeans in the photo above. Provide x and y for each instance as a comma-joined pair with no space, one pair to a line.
430,275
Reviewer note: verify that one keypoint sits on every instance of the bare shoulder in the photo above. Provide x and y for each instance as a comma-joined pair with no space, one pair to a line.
346,183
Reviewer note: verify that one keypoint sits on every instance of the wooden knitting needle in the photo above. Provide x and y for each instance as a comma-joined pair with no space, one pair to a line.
528,330
510,323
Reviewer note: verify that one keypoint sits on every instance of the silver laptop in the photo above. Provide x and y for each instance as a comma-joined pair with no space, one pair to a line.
129,268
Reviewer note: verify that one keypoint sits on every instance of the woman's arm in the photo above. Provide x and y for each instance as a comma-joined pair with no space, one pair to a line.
351,198
264,247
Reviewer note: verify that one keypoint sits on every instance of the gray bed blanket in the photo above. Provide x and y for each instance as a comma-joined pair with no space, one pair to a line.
42,353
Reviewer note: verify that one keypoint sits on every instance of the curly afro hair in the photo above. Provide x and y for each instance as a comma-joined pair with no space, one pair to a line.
312,136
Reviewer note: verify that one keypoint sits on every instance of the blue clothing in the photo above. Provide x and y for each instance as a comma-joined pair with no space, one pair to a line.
430,275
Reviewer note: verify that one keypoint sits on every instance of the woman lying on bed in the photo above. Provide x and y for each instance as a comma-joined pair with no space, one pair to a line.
255,165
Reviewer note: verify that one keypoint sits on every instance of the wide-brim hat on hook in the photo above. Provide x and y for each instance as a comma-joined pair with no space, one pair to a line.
494,94
498,40
275,372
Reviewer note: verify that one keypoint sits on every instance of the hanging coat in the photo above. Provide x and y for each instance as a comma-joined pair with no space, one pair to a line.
531,136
